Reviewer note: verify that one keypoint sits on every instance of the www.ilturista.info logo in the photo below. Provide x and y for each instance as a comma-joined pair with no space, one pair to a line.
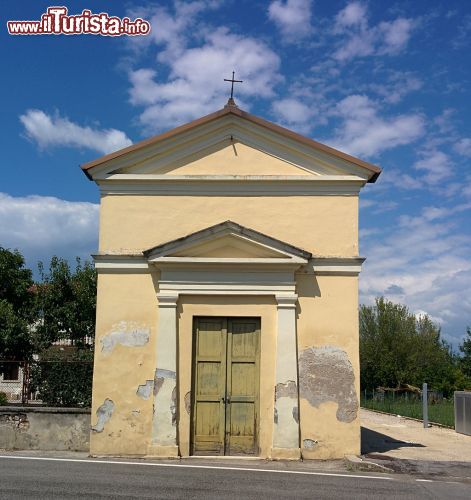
56,21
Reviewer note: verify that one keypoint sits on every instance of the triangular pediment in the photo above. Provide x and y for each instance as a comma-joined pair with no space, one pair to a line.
226,157
229,246
229,142
227,242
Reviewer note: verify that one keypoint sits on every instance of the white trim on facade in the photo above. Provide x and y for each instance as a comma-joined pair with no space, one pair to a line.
226,282
225,260
121,262
235,186
317,265
234,178
334,265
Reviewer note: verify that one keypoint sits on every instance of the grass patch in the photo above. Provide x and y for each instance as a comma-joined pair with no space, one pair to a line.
440,413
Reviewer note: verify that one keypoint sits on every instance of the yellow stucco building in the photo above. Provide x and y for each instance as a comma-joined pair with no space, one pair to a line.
227,309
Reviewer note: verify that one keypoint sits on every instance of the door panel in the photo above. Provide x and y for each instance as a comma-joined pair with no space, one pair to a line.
209,375
242,386
226,386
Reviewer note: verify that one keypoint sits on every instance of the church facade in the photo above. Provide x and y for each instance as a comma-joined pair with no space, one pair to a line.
227,307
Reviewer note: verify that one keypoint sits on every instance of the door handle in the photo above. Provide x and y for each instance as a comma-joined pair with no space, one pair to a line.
226,400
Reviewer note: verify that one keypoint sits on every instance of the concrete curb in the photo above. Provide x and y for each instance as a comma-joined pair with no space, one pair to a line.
355,463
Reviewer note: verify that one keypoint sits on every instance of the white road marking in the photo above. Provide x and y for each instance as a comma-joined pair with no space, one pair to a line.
188,466
425,480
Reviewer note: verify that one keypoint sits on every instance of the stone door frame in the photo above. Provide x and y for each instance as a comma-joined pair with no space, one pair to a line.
277,281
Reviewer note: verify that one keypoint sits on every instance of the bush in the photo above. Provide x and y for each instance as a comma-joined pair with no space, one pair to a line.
3,399
64,382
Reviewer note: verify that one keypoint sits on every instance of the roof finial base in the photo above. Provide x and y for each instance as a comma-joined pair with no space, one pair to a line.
231,102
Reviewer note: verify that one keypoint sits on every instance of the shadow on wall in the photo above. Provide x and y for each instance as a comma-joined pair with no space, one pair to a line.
372,441
306,286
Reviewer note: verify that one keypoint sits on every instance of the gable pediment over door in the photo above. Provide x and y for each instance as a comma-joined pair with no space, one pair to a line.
227,242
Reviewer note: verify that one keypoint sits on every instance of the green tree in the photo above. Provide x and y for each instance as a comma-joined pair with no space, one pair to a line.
15,339
398,348
465,349
67,303
386,330
17,306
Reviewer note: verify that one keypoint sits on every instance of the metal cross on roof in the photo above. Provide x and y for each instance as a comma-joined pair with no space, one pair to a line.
232,85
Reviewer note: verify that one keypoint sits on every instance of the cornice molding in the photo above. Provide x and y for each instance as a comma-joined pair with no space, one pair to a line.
282,185
318,266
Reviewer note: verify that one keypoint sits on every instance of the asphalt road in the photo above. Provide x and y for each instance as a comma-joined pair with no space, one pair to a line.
40,478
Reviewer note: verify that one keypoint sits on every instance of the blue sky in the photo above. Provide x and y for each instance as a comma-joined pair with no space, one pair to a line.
386,81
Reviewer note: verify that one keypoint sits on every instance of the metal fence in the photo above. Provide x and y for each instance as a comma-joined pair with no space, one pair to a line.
410,404
433,396
61,382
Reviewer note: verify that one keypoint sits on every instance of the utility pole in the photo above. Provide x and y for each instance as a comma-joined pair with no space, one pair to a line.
425,404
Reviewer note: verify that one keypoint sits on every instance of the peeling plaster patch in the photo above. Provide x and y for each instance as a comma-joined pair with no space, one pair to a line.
275,416
18,420
136,413
159,372
286,390
159,379
173,407
158,383
296,414
126,333
103,414
144,391
309,443
188,402
326,374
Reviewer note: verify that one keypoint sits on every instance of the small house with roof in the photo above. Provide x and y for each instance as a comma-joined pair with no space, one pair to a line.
227,308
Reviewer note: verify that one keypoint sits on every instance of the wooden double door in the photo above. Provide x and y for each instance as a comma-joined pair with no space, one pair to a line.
225,389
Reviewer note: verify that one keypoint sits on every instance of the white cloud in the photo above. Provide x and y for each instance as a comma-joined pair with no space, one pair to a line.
424,262
358,39
394,35
292,17
357,45
364,132
366,203
42,226
437,166
170,30
354,14
435,170
462,37
432,213
380,206
293,113
420,313
466,190
195,85
463,146
366,233
396,87
445,123
398,179
56,131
